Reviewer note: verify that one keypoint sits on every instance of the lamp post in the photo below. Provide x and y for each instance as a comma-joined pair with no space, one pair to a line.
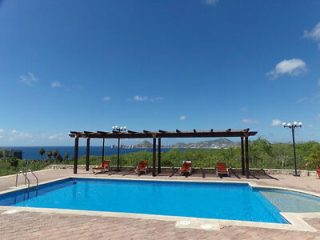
293,126
117,129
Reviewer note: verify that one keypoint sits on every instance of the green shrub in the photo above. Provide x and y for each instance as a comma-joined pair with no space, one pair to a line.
14,162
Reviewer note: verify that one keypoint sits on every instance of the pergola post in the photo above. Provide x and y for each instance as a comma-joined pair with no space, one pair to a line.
87,154
118,156
247,156
242,158
75,156
243,134
102,154
154,157
159,155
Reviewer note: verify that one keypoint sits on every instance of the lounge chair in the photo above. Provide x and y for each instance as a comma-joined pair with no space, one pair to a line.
186,168
104,167
142,167
318,172
222,170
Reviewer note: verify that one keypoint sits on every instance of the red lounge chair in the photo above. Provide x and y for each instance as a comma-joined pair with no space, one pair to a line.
318,172
104,167
142,167
221,169
186,168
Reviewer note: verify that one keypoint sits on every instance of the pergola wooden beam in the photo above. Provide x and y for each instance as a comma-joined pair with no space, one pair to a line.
243,134
132,132
162,131
88,132
163,134
102,132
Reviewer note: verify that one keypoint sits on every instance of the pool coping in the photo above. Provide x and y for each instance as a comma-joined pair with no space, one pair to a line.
296,220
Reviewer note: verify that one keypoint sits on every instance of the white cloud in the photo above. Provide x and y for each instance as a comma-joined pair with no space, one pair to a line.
249,121
106,98
56,84
140,98
290,67
15,135
314,98
57,136
314,34
18,138
29,79
276,122
182,117
211,2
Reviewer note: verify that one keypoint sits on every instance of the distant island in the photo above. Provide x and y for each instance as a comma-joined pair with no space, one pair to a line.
221,143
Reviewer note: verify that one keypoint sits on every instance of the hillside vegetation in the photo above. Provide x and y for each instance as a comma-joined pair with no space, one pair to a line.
263,154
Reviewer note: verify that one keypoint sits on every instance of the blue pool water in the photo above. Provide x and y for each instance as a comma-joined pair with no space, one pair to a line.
289,201
201,200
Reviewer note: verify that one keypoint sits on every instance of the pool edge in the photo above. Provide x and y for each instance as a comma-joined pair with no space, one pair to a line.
295,220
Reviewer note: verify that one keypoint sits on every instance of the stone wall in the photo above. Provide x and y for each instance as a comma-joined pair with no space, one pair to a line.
166,169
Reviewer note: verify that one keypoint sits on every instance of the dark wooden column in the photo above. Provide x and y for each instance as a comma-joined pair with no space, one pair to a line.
242,157
154,157
118,157
159,155
87,154
102,154
75,156
247,156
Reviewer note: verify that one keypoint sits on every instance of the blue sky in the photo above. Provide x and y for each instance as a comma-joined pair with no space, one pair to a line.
88,65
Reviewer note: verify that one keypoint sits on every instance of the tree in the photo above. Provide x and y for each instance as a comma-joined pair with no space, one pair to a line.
14,162
55,153
313,160
42,152
49,154
59,158
260,151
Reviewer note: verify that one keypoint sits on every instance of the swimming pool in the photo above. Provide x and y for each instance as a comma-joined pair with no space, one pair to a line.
290,201
230,201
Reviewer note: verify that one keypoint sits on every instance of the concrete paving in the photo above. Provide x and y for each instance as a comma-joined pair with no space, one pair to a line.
50,225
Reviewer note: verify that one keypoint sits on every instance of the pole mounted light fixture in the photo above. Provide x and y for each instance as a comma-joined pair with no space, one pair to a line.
118,129
293,126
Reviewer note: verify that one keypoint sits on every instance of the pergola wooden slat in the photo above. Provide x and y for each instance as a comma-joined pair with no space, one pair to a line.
243,134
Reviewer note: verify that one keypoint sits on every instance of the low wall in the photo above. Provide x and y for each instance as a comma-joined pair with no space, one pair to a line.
169,169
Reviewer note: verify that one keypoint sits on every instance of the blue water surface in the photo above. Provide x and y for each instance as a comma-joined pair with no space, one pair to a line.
290,201
201,200
32,153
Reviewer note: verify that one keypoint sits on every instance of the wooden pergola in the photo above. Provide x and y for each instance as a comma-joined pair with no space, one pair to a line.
242,134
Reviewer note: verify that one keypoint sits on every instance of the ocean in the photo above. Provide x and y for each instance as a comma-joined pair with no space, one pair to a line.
32,153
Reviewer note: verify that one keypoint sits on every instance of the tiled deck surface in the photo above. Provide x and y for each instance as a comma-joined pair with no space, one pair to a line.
35,225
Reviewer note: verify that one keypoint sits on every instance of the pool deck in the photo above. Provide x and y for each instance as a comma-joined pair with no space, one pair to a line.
42,224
